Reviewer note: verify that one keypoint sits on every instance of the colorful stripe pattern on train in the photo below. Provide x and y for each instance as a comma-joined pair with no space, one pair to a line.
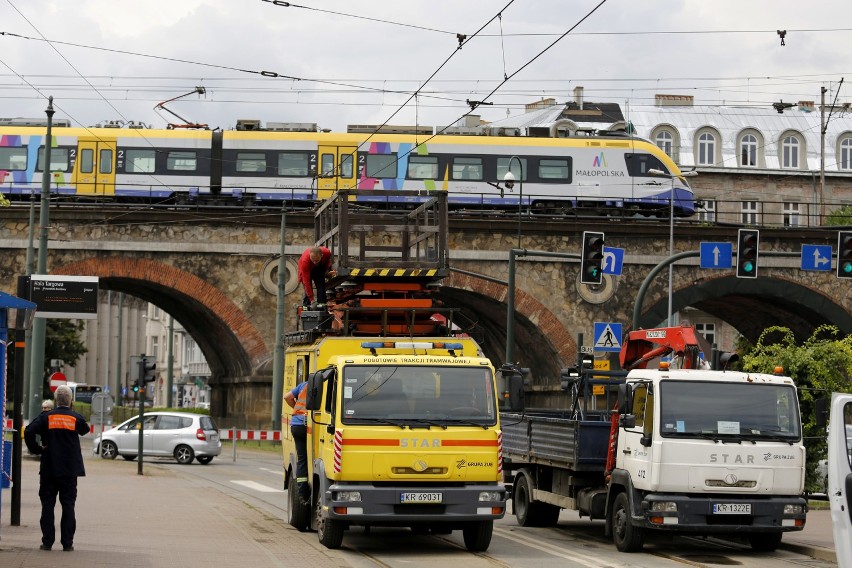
607,172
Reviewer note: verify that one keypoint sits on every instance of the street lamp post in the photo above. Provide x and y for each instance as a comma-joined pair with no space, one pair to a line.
509,180
672,178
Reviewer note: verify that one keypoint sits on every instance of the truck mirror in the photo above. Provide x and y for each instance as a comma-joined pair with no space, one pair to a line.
313,398
516,392
627,421
821,412
625,400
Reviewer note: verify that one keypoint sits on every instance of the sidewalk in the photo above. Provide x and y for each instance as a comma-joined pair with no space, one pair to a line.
157,519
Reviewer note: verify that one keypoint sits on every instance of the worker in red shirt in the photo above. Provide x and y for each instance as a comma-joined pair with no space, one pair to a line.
314,267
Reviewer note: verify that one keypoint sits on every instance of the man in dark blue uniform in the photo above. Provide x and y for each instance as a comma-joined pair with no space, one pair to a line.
61,465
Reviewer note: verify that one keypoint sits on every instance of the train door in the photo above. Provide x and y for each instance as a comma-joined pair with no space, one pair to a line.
94,169
336,170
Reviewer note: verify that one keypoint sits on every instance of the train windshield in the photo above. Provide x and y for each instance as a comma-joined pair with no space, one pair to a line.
408,395
749,411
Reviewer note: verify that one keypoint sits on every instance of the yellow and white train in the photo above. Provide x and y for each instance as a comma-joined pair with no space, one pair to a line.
608,173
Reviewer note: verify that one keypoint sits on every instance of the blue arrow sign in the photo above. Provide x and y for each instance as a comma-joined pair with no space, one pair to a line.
716,255
613,260
816,257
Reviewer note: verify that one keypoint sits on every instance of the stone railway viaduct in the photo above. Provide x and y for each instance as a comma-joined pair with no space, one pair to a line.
215,272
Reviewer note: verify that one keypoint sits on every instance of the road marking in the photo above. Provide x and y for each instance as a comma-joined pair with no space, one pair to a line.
256,486
585,559
275,471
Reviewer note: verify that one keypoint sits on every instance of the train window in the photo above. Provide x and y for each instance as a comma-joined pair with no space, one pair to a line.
639,164
105,166
423,167
346,162
58,160
87,161
555,169
467,168
140,161
13,158
503,165
381,165
181,161
293,165
251,162
327,164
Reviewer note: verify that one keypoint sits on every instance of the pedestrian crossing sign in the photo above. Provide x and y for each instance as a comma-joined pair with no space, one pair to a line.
607,336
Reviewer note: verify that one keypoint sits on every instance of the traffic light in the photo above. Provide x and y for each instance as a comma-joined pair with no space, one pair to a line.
136,386
844,254
591,259
147,369
747,244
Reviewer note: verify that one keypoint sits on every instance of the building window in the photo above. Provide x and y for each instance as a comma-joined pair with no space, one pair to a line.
792,214
790,153
845,154
749,212
155,347
748,150
665,142
708,330
707,213
706,149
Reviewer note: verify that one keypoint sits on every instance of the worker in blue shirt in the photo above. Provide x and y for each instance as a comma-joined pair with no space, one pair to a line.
296,399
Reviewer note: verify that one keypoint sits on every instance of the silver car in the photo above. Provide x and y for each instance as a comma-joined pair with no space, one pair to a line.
181,435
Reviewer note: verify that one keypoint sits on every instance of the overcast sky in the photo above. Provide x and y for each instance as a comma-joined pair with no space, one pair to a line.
348,62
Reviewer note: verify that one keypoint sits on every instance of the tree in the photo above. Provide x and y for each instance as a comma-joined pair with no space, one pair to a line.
842,216
820,366
62,341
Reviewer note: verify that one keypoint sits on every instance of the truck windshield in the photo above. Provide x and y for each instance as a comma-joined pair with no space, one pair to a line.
750,411
444,396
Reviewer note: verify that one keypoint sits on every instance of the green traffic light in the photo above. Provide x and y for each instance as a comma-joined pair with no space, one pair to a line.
748,267
846,268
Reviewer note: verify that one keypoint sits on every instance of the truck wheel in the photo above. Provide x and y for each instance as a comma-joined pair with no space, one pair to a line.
299,511
329,531
531,513
477,535
765,542
627,538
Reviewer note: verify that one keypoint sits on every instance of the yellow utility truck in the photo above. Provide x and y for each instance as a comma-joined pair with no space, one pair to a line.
402,415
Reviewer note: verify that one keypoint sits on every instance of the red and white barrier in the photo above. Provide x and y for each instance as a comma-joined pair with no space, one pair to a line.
260,435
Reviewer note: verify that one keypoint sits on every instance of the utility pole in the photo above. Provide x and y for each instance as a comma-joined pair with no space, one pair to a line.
40,324
822,128
278,353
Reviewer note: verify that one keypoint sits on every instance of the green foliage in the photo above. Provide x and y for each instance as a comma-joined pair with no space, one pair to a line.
841,217
820,366
62,341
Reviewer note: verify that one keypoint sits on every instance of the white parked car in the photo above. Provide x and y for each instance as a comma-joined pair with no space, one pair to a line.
182,435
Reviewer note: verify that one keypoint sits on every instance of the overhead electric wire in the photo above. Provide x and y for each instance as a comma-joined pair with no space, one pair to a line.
283,4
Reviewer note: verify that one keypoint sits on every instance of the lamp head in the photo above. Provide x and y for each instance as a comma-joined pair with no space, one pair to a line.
509,179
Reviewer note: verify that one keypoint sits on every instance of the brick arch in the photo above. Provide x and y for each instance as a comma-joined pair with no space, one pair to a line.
540,320
770,299
230,341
